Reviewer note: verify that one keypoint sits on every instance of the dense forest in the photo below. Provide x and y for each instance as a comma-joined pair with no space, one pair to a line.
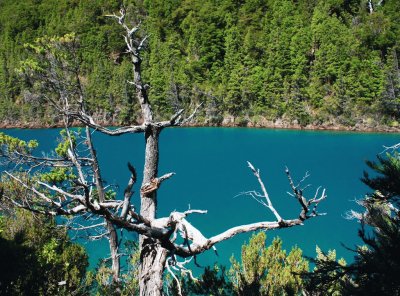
251,62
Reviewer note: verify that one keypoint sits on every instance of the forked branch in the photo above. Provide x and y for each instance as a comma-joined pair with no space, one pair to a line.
304,203
268,203
199,243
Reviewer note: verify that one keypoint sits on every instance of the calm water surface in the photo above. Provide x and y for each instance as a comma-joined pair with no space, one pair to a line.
211,170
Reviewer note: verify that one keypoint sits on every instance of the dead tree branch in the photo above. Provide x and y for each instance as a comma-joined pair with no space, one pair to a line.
265,193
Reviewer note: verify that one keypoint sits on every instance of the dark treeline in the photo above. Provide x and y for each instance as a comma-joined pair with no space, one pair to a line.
250,61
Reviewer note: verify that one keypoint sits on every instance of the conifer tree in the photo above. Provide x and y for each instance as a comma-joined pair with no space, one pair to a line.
267,270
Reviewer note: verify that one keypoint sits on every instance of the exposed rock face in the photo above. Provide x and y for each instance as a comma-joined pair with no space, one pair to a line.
231,121
228,120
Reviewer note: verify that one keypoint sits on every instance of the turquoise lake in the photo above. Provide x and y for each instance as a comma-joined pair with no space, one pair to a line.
211,170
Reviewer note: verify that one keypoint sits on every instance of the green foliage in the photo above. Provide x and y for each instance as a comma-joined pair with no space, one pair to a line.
57,175
387,182
65,144
329,275
376,263
37,256
101,283
212,281
267,271
13,144
310,62
263,270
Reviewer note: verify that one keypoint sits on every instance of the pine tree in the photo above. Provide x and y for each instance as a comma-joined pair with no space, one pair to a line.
267,270
376,263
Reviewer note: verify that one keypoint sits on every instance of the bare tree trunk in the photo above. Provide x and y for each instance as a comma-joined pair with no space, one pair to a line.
113,243
153,258
149,201
152,255
112,234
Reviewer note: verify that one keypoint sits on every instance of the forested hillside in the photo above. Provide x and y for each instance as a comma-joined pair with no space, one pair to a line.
252,62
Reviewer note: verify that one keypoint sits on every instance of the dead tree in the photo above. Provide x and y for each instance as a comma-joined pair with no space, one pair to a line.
86,193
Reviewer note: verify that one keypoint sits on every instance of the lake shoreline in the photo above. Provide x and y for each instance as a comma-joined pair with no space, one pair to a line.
278,125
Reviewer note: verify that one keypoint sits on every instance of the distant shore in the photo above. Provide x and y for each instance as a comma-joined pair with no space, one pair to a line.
314,127
267,125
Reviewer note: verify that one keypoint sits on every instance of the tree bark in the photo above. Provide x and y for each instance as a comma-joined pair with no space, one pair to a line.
113,243
152,255
153,258
112,234
148,206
